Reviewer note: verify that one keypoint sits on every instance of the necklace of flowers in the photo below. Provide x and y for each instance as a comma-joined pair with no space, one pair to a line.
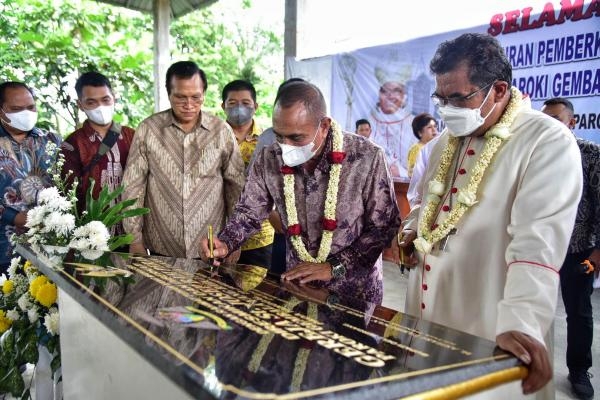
429,234
329,222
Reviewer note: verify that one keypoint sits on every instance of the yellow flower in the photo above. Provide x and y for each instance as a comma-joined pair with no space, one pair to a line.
5,323
46,294
28,264
36,284
8,286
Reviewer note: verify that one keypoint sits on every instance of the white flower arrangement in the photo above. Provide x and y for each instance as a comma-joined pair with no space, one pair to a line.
422,245
33,315
429,234
466,197
26,299
13,315
51,322
436,187
24,302
91,240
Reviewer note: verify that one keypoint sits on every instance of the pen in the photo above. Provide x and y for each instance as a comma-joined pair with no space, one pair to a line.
401,253
211,245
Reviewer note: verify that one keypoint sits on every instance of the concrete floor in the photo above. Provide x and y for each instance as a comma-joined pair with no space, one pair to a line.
394,296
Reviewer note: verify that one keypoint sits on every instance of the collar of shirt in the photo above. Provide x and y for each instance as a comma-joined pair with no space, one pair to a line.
34,132
170,120
90,132
255,132
256,129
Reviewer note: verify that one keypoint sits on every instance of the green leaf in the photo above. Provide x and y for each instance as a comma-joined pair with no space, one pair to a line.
128,214
55,363
120,241
14,382
26,394
30,351
8,341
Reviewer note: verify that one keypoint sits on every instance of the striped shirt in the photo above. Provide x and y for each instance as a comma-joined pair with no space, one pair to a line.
188,180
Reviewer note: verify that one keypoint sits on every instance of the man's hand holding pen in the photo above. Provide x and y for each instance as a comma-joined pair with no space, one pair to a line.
218,253
212,250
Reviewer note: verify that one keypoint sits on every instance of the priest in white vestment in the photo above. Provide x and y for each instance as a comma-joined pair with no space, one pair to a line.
500,197
392,120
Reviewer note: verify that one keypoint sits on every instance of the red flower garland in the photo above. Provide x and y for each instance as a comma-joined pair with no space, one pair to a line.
329,224
294,230
287,170
336,157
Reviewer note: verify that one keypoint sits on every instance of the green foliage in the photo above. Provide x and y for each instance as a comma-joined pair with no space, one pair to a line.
48,43
106,211
242,52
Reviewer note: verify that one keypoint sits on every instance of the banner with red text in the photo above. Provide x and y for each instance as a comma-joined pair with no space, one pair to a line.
555,52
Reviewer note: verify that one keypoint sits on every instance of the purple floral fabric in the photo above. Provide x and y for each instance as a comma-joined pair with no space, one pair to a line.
367,214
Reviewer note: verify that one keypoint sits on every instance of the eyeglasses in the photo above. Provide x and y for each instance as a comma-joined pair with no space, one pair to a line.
457,100
180,100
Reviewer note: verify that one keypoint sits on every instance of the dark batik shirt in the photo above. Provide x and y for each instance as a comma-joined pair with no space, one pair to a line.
79,150
23,173
367,214
586,233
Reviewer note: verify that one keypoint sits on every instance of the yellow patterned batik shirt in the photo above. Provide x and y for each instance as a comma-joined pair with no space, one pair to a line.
265,236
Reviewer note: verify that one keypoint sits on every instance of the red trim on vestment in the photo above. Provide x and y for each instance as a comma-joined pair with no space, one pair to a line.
550,267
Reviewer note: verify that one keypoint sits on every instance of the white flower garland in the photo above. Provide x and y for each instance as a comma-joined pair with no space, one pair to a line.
329,209
467,196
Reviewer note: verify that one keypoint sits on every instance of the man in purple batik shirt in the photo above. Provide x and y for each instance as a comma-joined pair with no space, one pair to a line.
366,215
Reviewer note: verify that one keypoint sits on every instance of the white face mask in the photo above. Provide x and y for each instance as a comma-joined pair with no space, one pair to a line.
23,120
101,115
463,121
297,155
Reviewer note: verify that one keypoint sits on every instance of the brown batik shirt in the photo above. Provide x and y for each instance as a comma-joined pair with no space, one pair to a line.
188,180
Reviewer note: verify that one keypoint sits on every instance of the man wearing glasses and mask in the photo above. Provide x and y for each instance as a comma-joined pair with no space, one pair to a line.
185,165
333,192
500,196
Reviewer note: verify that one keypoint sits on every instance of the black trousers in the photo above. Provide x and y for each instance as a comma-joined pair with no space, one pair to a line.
576,287
260,256
278,260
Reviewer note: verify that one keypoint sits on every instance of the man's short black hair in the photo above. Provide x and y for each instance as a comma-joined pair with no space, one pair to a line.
184,70
12,85
362,121
237,86
483,55
561,100
305,93
288,81
419,122
91,78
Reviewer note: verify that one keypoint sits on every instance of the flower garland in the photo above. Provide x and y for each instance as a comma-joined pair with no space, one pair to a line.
329,222
466,196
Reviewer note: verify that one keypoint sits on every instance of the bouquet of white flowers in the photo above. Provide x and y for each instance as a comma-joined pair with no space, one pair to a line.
28,300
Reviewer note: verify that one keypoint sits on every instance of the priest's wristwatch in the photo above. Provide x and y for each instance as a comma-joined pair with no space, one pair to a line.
338,271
